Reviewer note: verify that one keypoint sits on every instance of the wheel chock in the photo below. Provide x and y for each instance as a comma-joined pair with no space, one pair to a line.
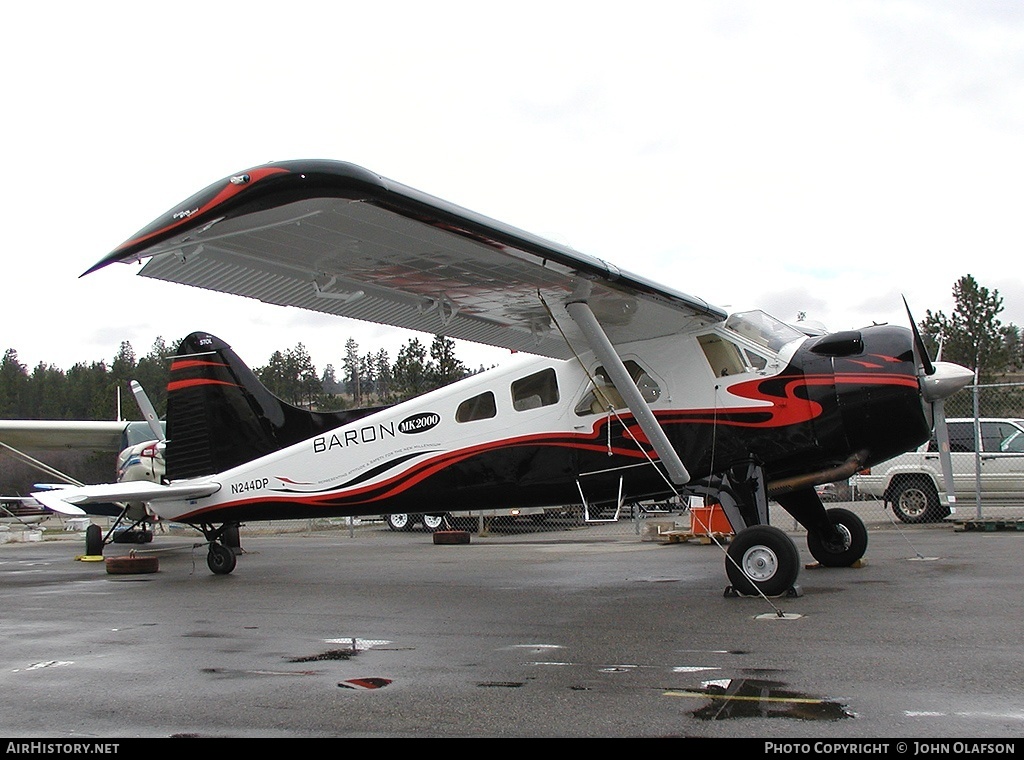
451,537
133,564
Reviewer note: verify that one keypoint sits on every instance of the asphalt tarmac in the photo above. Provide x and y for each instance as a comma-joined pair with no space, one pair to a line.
561,633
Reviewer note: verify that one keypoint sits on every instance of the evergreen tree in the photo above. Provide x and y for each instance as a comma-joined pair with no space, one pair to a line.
291,377
382,375
353,379
88,396
972,336
307,385
329,381
409,374
444,365
152,373
47,393
13,386
274,375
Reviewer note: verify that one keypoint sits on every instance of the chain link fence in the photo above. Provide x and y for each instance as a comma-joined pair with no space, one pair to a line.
989,485
986,439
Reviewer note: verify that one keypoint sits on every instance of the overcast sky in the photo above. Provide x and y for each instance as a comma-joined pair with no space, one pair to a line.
824,157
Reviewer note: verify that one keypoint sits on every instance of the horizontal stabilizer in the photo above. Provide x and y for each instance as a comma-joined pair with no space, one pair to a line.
53,502
64,500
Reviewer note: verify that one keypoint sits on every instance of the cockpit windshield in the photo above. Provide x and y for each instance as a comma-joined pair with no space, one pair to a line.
763,329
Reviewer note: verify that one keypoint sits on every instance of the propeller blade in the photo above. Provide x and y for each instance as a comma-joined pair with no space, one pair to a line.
920,352
146,406
942,438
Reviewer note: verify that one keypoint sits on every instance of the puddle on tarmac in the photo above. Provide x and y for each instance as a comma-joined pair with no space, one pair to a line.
502,684
751,698
332,654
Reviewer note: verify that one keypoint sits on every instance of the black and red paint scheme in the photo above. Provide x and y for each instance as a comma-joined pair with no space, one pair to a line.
740,408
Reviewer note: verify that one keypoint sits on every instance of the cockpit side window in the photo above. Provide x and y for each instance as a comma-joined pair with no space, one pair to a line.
723,355
604,395
763,328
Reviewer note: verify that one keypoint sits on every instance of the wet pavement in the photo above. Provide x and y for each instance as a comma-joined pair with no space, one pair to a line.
564,633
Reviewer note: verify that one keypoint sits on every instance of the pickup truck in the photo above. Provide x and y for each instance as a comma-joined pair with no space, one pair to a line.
913,485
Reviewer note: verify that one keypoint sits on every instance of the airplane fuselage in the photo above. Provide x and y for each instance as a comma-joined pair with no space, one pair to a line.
536,433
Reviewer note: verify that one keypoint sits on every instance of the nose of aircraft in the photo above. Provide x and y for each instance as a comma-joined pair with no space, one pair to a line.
945,380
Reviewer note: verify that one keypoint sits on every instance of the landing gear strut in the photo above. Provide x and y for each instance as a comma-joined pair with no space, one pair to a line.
225,546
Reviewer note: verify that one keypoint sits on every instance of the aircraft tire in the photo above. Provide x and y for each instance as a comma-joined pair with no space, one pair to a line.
855,540
132,564
93,541
220,559
762,559
230,537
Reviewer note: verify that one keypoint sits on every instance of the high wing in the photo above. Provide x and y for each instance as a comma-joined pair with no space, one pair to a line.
332,237
54,435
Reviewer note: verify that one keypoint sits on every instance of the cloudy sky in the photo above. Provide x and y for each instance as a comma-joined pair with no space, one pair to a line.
821,156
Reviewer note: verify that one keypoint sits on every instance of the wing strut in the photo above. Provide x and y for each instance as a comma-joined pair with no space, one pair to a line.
602,347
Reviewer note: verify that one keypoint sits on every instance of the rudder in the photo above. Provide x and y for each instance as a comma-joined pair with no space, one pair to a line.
219,414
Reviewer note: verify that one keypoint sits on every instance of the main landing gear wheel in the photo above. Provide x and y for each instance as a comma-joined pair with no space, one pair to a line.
852,546
762,560
93,541
220,559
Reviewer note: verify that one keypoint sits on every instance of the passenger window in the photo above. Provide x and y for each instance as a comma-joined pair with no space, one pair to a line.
605,394
534,391
480,407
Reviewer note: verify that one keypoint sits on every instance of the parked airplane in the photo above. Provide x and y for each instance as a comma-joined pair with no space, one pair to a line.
622,389
135,447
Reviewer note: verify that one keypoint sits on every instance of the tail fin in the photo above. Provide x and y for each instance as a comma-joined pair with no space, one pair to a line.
219,415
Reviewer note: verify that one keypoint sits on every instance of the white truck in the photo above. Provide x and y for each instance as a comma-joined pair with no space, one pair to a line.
987,456
468,520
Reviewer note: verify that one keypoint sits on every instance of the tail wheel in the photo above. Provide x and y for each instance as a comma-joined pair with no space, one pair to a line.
850,548
220,559
762,559
915,500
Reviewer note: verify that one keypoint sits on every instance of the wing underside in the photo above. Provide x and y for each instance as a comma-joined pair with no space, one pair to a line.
333,238
55,435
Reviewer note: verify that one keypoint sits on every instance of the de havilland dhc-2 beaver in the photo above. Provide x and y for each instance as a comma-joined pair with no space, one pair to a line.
620,389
